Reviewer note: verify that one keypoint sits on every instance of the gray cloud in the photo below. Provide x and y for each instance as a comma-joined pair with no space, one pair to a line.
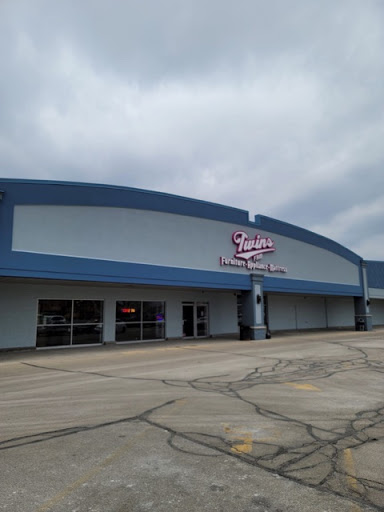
275,107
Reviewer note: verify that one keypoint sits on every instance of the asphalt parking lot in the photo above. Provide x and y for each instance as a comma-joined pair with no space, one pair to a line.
291,424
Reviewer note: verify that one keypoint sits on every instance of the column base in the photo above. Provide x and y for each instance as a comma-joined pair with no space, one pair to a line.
258,332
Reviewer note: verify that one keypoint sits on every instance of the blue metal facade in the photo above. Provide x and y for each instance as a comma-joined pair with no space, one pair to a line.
375,272
29,265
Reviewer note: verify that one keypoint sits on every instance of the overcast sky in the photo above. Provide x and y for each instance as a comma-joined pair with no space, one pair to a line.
273,106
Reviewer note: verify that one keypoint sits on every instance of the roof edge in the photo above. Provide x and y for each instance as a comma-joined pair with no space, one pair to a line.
305,235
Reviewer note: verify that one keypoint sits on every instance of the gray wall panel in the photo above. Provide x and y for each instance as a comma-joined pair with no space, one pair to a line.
18,313
223,312
299,312
311,313
377,311
140,236
376,293
282,312
340,312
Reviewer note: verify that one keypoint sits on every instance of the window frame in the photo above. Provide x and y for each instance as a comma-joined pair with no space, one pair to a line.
71,325
142,322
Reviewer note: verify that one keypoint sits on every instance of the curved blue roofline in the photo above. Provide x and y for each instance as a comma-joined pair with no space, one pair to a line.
73,193
116,187
305,235
28,191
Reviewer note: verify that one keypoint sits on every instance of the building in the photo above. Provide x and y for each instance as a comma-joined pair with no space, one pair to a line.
85,264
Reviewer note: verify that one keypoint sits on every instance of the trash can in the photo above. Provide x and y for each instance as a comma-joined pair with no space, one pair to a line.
360,324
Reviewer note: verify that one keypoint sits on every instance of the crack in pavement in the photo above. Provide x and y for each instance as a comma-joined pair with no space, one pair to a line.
317,458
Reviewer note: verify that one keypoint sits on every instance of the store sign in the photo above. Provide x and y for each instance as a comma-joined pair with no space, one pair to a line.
249,252
249,248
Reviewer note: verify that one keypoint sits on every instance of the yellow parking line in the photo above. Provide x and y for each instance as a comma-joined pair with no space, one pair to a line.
304,387
239,434
352,482
246,445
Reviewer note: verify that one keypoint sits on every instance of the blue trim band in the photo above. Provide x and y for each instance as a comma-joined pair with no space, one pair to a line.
275,284
78,269
81,269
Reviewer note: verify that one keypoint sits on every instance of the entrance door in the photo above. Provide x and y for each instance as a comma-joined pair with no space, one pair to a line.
195,319
188,321
201,320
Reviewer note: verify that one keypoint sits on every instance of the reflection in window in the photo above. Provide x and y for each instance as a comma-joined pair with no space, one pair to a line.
86,334
54,312
136,320
128,332
87,312
153,331
53,336
153,311
202,320
69,322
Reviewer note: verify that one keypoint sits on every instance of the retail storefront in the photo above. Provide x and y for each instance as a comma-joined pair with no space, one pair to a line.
87,264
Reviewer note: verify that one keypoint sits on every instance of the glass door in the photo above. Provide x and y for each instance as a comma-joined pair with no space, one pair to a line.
188,320
201,320
195,320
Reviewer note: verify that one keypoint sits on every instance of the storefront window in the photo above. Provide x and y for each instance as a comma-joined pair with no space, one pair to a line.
87,334
69,322
128,332
153,311
153,331
136,320
201,320
87,312
52,312
53,336
128,311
